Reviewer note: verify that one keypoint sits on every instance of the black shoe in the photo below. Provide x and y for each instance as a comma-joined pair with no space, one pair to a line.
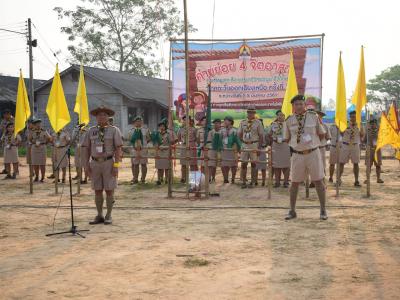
143,180
244,186
83,181
158,182
183,180
250,186
75,178
14,176
330,179
286,184
51,176
226,181
42,180
3,172
323,216
8,176
380,181
233,181
36,179
312,185
63,180
97,220
357,184
291,215
135,181
276,185
256,183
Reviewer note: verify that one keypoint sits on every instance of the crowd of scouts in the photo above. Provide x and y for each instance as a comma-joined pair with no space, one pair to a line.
298,144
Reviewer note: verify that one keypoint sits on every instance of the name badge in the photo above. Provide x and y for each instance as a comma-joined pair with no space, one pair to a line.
99,149
37,143
306,138
279,139
57,143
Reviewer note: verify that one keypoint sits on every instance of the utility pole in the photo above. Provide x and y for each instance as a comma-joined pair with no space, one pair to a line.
31,43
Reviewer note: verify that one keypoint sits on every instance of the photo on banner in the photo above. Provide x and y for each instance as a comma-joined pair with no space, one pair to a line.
244,72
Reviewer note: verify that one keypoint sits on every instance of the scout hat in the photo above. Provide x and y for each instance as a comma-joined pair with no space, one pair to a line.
102,108
137,118
251,108
298,97
216,121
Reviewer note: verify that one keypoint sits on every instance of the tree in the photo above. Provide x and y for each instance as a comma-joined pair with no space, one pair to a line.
120,34
385,87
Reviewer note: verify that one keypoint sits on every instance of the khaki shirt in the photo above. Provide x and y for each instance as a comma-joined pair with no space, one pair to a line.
61,139
192,136
303,132
251,131
226,132
335,134
102,145
168,138
327,135
352,134
145,133
276,132
38,137
200,136
9,140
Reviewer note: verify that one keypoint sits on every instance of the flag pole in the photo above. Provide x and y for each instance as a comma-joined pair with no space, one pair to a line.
337,161
170,176
187,154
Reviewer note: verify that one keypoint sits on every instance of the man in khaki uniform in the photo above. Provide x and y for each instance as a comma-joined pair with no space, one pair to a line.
370,140
352,137
11,144
303,130
251,133
103,145
139,136
7,118
60,141
38,138
336,139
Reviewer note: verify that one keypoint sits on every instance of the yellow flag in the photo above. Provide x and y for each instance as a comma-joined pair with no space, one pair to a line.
359,98
341,112
81,104
392,117
57,109
386,135
291,88
22,109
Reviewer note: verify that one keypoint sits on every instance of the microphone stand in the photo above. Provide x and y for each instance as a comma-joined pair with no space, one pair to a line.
73,230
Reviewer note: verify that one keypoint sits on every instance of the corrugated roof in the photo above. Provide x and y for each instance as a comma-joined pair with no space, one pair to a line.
9,87
130,85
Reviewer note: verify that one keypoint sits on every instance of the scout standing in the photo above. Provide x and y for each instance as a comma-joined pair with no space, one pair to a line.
251,134
103,145
139,136
7,118
28,131
370,138
280,151
262,163
11,144
231,147
60,141
352,137
163,139
215,144
303,131
38,138
80,156
336,139
191,153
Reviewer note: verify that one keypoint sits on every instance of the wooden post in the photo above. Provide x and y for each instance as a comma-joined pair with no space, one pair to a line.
56,176
187,94
206,173
269,155
337,161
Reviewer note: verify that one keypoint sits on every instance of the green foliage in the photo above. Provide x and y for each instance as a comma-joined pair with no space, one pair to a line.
120,34
385,87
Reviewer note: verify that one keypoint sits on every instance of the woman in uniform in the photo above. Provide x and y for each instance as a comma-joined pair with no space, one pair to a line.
231,141
60,141
11,144
39,138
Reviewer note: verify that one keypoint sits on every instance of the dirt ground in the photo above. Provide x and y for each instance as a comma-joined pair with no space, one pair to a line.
236,246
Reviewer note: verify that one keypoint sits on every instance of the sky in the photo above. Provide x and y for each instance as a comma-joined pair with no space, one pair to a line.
347,25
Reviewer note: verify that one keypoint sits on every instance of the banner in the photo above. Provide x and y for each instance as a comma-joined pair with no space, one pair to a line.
244,72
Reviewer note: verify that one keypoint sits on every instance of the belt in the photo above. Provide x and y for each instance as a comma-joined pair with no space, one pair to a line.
304,151
102,159
60,146
349,143
322,147
251,142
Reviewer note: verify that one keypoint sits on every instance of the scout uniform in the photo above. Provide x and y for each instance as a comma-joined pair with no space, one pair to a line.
262,163
336,139
139,138
280,153
232,145
61,140
80,153
38,139
103,144
200,138
192,153
163,140
11,143
370,140
251,133
215,146
3,124
303,131
351,144
28,143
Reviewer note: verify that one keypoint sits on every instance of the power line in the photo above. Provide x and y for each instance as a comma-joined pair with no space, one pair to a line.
44,40
13,31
